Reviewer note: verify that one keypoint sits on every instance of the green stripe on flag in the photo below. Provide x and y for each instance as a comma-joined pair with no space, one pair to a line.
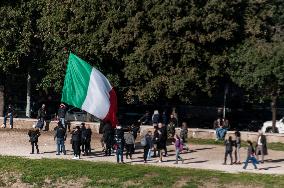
76,81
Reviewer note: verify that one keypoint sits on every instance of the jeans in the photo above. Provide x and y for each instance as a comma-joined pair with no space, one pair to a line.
60,145
178,155
11,120
221,133
119,154
145,154
253,160
237,153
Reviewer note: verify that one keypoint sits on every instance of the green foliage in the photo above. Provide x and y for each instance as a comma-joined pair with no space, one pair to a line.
156,50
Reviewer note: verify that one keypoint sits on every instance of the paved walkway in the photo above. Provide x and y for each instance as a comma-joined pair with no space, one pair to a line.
15,143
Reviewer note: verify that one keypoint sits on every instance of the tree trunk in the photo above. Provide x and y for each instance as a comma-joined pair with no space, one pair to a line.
273,110
1,100
28,107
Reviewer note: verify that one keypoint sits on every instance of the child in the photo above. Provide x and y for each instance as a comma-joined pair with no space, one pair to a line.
148,146
177,144
228,150
251,156
237,147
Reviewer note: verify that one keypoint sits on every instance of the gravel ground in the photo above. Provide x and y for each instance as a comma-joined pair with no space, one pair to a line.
15,143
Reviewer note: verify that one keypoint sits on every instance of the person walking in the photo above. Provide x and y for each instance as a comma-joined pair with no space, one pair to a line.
237,147
160,146
261,147
129,143
34,134
228,150
164,118
60,136
177,145
83,138
76,142
41,114
119,141
171,126
8,113
155,118
148,146
61,114
184,135
145,119
164,138
156,140
108,138
250,156
88,140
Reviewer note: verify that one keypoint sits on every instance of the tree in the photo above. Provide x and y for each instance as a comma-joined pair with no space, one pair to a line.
257,65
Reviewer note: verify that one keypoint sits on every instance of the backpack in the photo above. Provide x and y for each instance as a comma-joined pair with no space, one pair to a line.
143,141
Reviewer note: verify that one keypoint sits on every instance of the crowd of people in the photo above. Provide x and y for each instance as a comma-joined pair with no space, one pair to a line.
154,143
252,152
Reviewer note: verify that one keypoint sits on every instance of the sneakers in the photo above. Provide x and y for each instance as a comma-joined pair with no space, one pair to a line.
57,153
76,158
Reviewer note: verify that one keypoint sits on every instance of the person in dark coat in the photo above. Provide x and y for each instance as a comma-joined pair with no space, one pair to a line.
164,138
148,146
108,137
261,146
155,118
83,137
119,142
61,114
8,113
88,140
160,145
145,119
156,140
34,134
76,142
41,114
171,126
60,136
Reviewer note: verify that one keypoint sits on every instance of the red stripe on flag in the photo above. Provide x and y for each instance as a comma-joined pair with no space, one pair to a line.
111,115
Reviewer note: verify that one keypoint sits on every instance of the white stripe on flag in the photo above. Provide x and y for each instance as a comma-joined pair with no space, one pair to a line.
97,100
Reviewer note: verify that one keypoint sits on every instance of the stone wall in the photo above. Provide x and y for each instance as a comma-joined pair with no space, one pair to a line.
22,123
25,123
210,134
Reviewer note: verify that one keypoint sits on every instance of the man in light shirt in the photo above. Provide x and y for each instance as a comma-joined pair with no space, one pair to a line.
261,148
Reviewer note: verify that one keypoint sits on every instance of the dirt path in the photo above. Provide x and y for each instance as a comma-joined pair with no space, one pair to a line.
15,143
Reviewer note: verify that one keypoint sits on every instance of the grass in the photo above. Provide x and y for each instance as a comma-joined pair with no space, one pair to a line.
273,146
58,173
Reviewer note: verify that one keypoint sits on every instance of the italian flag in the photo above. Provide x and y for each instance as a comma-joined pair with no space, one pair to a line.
88,89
